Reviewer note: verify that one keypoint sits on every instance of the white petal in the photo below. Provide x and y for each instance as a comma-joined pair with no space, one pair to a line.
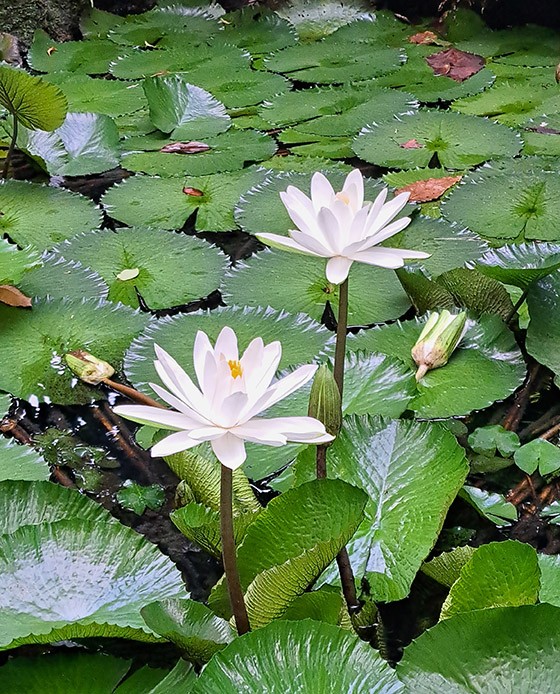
206,433
330,230
313,245
202,350
296,199
304,221
230,409
378,203
177,404
386,214
390,230
358,226
175,443
294,429
282,388
354,188
226,344
322,193
156,417
338,269
178,381
229,450
258,379
391,258
285,243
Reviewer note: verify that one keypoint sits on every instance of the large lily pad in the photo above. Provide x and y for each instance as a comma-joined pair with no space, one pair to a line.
487,366
258,30
508,649
543,337
34,344
35,103
514,202
106,572
153,260
168,202
41,216
520,264
19,462
276,562
303,340
14,262
58,278
456,141
315,20
310,656
263,281
85,57
395,462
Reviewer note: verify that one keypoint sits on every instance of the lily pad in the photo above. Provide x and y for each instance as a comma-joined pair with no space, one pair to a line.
395,463
516,201
19,462
184,110
543,331
277,279
466,653
486,366
258,30
157,258
58,278
315,20
322,657
541,136
41,216
168,202
35,342
14,262
520,264
107,572
490,505
85,57
454,140
37,104
227,152
303,340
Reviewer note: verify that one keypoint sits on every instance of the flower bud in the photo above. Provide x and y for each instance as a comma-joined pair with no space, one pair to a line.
324,401
88,368
441,334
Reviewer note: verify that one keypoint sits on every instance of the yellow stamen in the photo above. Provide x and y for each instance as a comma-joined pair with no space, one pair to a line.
235,368
344,197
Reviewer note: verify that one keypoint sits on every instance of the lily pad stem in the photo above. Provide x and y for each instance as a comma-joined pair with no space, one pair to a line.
228,553
11,148
518,304
132,393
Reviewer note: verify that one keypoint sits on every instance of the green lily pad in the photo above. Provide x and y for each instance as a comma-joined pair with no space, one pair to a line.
110,97
330,62
490,505
38,502
511,103
446,567
184,110
37,104
14,262
35,342
19,462
507,648
168,202
107,573
62,673
85,57
158,256
519,200
520,264
85,143
457,141
96,24
258,30
41,216
395,462
540,454
493,439
323,657
543,300
315,20
303,340
58,278
486,366
274,578
499,574
193,627
540,136
278,279
227,152
306,145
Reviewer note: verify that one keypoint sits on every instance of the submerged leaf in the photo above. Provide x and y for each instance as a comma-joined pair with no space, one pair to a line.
455,64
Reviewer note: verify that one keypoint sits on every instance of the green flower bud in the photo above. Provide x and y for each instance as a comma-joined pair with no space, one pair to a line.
438,340
88,368
324,401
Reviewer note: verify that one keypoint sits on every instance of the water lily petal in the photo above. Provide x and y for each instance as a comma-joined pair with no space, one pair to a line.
202,364
284,242
354,188
322,192
229,450
178,404
330,229
389,230
175,443
230,409
226,344
156,417
312,244
338,269
391,258
281,389
386,214
378,203
295,198
179,383
295,429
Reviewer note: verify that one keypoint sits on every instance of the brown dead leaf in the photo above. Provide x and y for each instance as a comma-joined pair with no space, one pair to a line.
456,64
411,144
430,189
193,191
425,38
11,296
192,147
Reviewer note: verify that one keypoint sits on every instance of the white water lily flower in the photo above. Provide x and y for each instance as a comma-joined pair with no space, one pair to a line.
232,392
340,227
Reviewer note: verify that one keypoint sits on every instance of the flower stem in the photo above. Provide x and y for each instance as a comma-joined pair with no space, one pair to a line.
11,148
341,329
343,560
228,553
